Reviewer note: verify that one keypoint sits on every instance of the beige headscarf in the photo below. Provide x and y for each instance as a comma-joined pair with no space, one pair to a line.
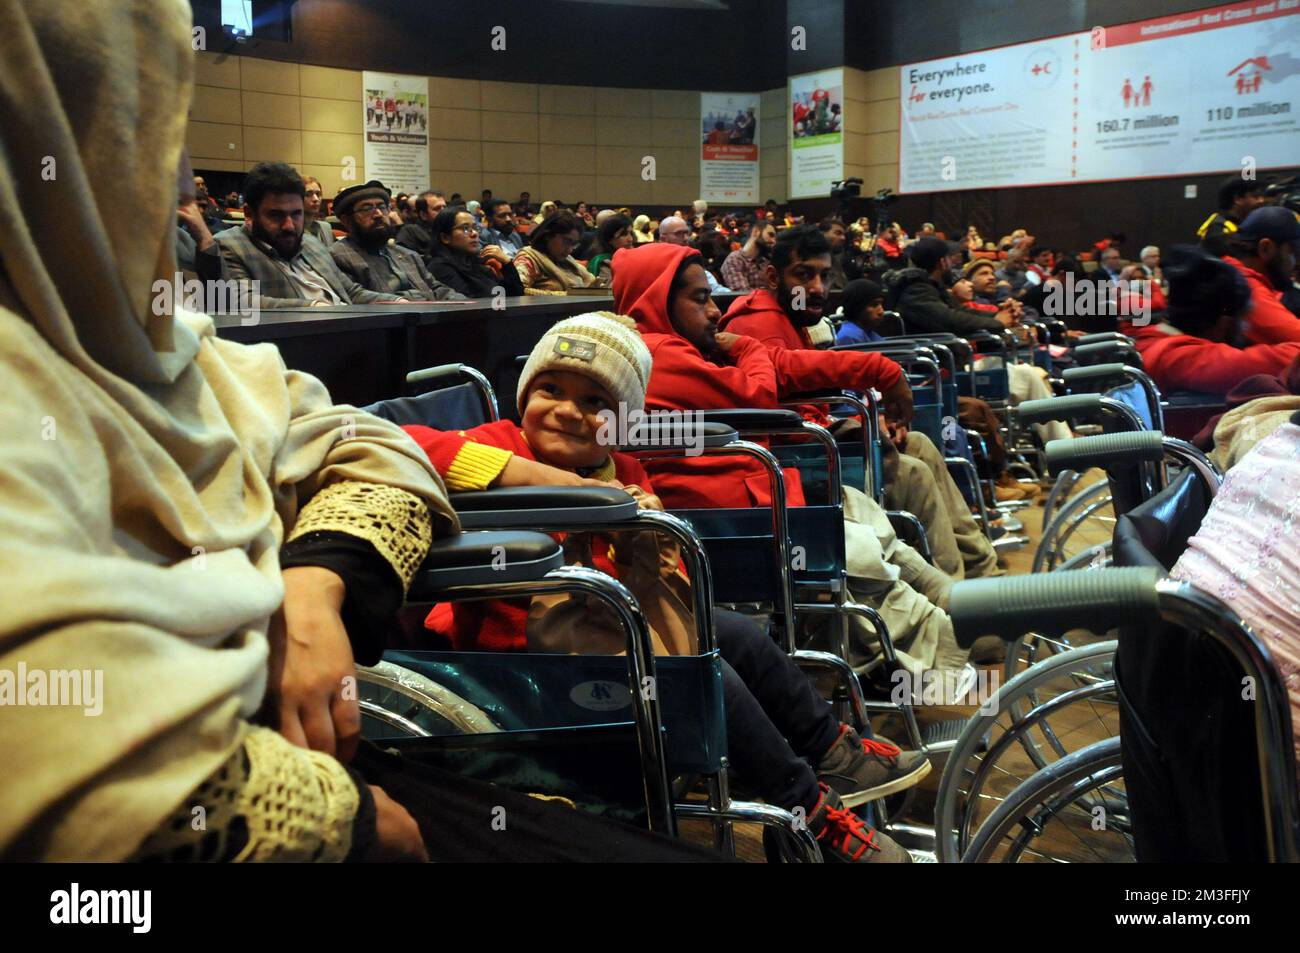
148,470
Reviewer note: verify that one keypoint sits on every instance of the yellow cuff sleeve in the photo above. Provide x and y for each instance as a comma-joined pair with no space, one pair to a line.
475,467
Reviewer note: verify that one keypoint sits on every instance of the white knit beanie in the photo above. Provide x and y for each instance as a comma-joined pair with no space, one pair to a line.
601,345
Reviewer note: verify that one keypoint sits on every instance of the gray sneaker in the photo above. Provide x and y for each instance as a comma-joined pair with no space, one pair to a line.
845,839
861,770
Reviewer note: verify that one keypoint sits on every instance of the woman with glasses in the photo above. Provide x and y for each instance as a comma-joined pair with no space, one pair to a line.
547,265
458,261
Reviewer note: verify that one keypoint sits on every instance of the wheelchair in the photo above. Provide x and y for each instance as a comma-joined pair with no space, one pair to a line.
1100,802
815,587
1043,706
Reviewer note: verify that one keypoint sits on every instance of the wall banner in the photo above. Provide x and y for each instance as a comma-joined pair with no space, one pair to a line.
816,132
395,117
729,147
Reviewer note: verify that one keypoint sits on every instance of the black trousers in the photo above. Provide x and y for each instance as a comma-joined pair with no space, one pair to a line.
776,722
467,821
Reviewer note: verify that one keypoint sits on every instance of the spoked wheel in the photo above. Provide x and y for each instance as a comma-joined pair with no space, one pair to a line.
397,701
1043,715
1074,811
1075,534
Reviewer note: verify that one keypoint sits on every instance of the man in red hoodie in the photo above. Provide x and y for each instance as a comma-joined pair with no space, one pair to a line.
919,484
1199,346
697,367
1263,249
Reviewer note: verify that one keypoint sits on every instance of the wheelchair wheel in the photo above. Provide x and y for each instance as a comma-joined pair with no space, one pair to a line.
1038,718
1073,534
1073,811
397,701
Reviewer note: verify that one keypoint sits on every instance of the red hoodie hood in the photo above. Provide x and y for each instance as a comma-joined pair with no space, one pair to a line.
642,279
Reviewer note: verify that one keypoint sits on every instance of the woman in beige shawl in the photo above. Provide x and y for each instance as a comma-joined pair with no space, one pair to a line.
154,479
547,265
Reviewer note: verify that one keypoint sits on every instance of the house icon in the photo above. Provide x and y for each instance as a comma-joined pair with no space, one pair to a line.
1250,73
1260,63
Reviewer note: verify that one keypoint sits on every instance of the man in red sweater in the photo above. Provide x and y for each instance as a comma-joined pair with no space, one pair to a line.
1263,249
1199,346
918,480
697,367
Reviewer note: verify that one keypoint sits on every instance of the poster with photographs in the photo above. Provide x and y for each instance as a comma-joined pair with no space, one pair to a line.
396,116
729,147
816,132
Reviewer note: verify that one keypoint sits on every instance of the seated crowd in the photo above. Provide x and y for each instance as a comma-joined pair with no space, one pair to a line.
226,544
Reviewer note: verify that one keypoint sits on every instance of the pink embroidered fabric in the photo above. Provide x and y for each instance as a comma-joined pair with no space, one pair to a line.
1247,552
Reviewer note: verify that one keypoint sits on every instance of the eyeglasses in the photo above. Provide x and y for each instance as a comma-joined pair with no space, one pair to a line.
469,228
381,208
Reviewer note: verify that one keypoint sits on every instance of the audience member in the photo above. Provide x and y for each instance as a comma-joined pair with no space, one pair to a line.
674,231
1238,197
415,235
697,367
547,265
293,270
501,230
461,262
641,230
843,267
1198,347
313,218
920,484
1263,249
614,233
918,295
746,268
366,256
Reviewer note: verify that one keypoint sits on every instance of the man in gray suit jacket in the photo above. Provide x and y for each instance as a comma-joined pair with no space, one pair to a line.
293,270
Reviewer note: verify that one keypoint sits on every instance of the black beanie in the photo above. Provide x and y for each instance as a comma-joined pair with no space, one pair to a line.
927,253
857,295
1202,288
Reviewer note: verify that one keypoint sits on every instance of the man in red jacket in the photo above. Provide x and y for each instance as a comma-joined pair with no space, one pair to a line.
799,270
1263,249
697,367
1198,347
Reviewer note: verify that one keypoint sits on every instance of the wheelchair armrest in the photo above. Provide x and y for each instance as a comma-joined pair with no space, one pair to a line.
689,435
476,559
523,507
1107,449
1108,352
1103,337
756,420
1083,406
1095,373
1052,603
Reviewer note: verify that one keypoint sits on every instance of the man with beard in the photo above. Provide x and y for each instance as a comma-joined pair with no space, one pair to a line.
843,268
1263,249
746,269
366,256
293,271
917,481
501,229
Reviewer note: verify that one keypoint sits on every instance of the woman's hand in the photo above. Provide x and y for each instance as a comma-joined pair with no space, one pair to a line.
313,685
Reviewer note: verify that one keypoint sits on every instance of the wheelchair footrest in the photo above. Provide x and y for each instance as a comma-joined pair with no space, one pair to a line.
941,736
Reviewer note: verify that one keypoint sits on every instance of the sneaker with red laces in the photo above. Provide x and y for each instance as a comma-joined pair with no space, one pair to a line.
864,769
845,838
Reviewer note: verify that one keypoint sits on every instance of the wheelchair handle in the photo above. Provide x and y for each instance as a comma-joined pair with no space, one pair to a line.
1103,337
1053,603
1104,450
1108,352
1060,408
